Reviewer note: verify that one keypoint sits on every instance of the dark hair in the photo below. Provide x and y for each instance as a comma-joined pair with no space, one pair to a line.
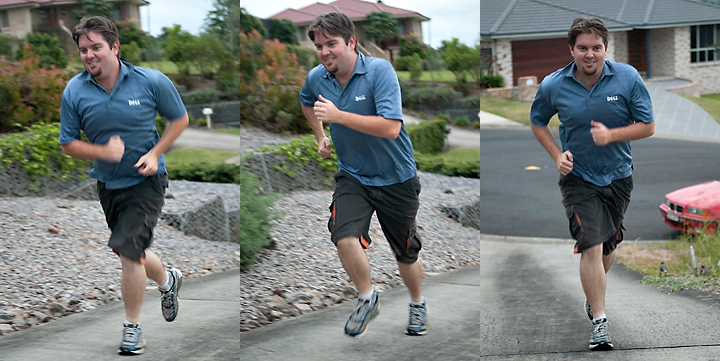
587,25
96,24
335,24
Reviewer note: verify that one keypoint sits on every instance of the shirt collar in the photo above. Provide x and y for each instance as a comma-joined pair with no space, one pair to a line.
608,69
125,70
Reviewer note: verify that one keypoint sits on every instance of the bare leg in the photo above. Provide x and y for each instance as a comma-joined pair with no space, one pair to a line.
412,275
154,268
132,284
356,264
608,261
592,277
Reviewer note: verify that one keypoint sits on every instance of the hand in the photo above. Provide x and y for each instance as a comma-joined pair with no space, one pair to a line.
600,133
324,148
565,163
326,111
147,165
114,149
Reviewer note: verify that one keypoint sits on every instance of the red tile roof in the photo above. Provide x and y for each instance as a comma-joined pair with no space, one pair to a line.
354,9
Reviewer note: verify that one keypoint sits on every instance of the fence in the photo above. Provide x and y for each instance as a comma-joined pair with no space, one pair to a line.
227,113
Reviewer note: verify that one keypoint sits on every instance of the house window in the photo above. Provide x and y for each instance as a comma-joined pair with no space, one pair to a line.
703,41
4,22
400,29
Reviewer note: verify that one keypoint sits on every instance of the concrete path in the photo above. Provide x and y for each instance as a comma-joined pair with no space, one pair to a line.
206,139
207,328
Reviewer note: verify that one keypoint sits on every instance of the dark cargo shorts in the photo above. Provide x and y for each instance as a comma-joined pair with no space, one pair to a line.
595,213
132,213
396,206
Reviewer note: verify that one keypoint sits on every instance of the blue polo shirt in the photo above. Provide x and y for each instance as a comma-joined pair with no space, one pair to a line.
128,112
373,89
619,98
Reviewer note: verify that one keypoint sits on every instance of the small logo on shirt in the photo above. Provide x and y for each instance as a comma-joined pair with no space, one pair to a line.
612,98
362,97
132,102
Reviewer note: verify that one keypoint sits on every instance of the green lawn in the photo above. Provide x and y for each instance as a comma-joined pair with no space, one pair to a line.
460,154
445,76
167,67
513,110
235,131
711,104
195,155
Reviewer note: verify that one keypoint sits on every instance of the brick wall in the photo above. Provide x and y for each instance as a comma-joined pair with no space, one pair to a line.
503,60
662,50
707,73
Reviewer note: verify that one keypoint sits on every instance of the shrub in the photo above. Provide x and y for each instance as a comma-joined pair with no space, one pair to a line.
256,221
38,152
444,117
6,44
202,96
269,96
437,165
29,94
160,123
462,121
300,151
427,137
203,172
492,81
427,96
131,53
471,102
47,46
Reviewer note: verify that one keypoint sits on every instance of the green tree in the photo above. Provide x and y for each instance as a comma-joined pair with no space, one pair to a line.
94,8
460,59
180,47
382,26
129,32
411,44
6,43
47,47
283,30
227,20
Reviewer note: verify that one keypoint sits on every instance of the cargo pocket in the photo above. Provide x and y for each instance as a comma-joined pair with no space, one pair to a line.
575,224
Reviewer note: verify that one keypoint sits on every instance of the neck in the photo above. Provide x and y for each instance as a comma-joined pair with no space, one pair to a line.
344,78
108,81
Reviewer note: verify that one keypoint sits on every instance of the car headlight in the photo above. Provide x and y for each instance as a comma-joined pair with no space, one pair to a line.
698,211
667,202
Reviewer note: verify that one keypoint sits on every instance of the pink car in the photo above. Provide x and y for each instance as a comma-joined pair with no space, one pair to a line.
693,209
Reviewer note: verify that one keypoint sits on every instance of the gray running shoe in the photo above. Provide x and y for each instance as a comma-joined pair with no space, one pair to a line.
170,299
600,340
364,311
417,326
588,310
133,343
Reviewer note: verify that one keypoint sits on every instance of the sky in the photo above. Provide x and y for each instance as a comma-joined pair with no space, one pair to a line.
448,19
190,14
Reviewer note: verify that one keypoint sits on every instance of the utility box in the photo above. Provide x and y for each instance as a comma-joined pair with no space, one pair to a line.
527,88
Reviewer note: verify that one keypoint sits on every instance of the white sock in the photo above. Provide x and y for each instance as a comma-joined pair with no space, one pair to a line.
422,300
168,282
367,296
599,318
131,323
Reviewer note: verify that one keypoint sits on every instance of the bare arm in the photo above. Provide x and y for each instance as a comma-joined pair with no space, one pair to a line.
111,152
563,160
602,135
324,149
375,125
147,164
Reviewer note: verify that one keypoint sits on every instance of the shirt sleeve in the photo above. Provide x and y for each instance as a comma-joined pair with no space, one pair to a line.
169,102
307,96
388,98
641,103
69,121
542,108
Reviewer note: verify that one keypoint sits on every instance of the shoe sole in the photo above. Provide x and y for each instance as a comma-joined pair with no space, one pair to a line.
124,352
371,317
602,346
413,333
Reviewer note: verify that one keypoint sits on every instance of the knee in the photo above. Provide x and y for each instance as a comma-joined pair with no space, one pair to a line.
594,251
347,242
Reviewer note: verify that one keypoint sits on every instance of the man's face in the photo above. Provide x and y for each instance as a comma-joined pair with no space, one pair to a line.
96,55
589,53
334,54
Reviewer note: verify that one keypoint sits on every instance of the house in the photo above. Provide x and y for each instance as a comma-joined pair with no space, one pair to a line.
19,17
660,38
409,23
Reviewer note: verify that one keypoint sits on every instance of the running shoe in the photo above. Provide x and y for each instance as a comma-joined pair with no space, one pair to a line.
170,299
600,340
417,326
365,310
133,343
588,310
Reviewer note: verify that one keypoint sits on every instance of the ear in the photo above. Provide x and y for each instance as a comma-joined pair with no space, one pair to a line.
352,43
116,47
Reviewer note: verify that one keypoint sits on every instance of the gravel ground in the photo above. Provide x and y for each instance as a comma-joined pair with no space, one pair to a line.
279,287
54,259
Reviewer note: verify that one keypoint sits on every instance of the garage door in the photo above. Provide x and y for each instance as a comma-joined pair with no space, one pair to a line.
539,57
